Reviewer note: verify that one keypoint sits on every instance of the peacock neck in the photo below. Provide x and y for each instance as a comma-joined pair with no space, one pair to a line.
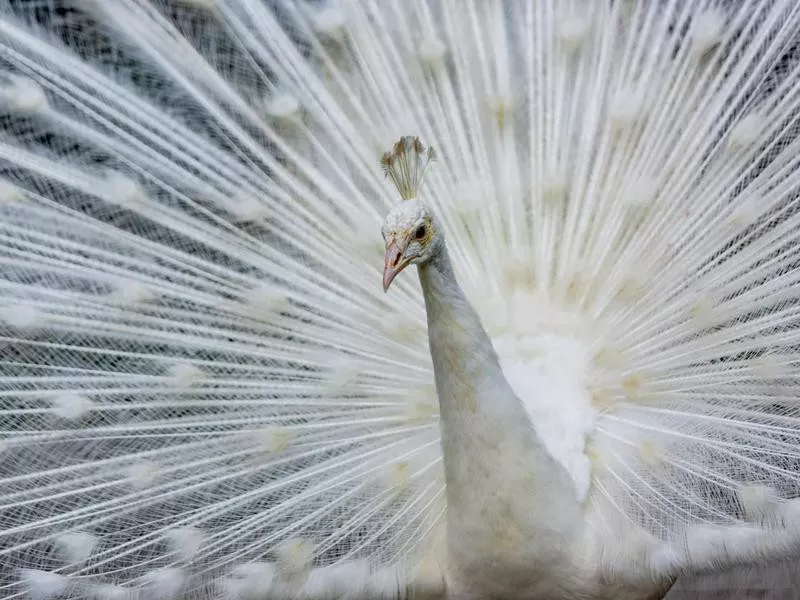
502,485
469,379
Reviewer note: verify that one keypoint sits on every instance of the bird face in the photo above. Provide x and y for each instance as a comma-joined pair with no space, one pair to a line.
409,233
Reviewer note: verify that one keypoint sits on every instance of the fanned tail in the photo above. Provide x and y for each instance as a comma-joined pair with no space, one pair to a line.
203,386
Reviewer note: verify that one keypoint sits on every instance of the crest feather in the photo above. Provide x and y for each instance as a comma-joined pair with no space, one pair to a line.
406,164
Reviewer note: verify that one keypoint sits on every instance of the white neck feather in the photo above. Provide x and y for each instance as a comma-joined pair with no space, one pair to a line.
496,468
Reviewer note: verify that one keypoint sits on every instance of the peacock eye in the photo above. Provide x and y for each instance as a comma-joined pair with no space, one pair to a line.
419,233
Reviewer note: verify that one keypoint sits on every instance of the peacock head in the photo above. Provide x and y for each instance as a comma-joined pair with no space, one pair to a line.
411,238
409,230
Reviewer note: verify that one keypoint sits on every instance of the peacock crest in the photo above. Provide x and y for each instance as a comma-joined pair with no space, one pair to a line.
406,163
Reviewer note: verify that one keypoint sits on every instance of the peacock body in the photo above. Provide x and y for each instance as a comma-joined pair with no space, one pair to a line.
205,391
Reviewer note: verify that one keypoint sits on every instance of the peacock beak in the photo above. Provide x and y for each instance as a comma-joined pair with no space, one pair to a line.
395,262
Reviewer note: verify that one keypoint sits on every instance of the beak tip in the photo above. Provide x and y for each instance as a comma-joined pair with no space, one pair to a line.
388,277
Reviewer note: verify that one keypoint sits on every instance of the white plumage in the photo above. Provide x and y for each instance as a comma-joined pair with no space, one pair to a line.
205,392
